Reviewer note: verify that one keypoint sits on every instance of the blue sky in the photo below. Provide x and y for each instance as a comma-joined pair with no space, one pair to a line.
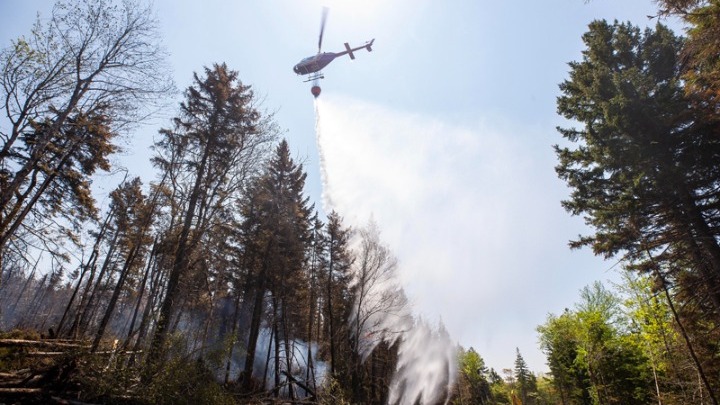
443,134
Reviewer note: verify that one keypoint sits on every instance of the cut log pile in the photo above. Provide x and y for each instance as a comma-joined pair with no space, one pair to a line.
47,378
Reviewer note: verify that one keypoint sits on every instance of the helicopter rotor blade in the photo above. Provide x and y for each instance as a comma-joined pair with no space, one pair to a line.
322,27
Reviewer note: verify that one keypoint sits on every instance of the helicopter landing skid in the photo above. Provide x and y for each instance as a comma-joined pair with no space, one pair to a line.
314,77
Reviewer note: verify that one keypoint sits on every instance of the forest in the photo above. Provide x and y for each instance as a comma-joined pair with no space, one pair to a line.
219,281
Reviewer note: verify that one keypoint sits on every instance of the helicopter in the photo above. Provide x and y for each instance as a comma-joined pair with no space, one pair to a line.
312,65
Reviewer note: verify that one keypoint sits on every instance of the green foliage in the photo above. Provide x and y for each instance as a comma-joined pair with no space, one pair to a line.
626,93
276,234
643,172
20,334
472,366
473,386
501,394
524,379
546,393
701,67
593,355
332,393
651,321
560,342
186,382
476,384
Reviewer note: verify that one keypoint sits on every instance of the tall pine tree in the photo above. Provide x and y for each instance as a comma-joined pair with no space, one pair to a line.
524,378
276,235
643,170
213,146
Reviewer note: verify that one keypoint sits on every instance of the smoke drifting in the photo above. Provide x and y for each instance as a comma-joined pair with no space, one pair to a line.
427,355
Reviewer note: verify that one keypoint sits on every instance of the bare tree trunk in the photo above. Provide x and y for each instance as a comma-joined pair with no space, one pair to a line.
82,306
178,315
34,302
233,336
277,347
685,336
30,278
148,268
268,356
657,384
330,315
74,294
153,298
89,307
310,369
212,312
181,259
256,319
289,351
373,376
129,261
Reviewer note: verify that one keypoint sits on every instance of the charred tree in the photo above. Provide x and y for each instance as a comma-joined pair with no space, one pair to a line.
219,137
67,89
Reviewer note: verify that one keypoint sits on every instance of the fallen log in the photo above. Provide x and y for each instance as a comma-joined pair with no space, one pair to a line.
44,354
103,353
21,391
299,383
10,384
15,374
49,344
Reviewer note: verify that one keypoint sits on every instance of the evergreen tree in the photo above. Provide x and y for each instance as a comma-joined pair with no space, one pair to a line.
276,234
700,68
338,296
473,386
134,216
215,143
644,171
524,378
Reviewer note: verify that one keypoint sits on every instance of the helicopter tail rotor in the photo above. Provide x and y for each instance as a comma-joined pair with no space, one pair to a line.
349,51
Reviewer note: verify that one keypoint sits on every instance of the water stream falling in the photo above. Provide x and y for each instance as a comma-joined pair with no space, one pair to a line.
427,361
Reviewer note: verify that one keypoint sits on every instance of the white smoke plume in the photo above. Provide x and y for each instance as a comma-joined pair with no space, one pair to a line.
427,355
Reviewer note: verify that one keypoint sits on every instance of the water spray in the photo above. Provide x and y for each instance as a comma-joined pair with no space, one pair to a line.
427,356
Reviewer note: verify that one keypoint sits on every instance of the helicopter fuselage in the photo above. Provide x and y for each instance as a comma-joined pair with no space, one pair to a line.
315,63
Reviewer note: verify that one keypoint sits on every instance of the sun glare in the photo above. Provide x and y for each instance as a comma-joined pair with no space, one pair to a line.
357,8
366,13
